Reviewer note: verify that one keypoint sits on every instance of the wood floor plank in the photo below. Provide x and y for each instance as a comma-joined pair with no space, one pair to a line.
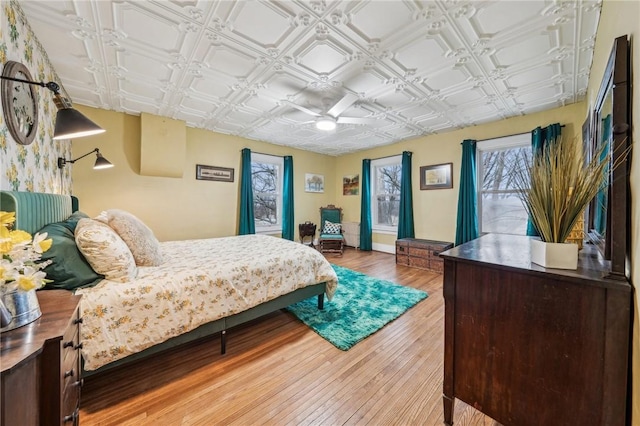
277,371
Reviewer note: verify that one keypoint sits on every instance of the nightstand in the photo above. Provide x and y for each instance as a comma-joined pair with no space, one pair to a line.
41,367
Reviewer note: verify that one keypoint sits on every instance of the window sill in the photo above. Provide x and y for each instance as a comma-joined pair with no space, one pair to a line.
385,231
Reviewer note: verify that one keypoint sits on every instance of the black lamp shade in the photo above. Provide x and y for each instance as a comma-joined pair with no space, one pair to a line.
70,123
101,162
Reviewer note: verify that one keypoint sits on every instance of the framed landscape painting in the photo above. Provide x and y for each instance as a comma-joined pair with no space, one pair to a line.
313,182
437,176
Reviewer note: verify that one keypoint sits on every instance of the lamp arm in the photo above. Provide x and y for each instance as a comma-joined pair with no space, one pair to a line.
82,156
54,87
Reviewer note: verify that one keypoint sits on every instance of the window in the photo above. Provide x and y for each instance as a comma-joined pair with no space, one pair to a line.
266,180
385,195
499,207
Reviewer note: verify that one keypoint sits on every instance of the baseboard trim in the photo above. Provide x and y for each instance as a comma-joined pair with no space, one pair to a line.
385,248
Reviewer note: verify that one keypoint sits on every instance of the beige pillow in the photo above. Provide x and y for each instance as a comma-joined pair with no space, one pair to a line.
139,237
105,251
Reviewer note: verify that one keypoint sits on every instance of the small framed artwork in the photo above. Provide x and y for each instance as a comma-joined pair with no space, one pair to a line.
350,185
221,174
437,176
313,182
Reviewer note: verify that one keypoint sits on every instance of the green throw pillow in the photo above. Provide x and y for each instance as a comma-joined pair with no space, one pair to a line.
69,270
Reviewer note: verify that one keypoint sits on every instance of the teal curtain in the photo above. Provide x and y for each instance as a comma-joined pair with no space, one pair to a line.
247,221
600,214
467,222
287,205
539,139
365,207
405,220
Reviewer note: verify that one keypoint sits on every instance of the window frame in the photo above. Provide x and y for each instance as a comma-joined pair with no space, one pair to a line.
279,162
381,162
520,140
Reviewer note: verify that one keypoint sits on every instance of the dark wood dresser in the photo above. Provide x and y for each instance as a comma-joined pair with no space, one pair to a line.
41,365
423,254
533,346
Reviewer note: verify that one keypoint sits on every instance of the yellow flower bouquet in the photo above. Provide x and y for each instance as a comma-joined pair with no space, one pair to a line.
20,271
19,254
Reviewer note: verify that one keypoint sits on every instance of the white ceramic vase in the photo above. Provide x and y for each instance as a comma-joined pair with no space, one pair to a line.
554,255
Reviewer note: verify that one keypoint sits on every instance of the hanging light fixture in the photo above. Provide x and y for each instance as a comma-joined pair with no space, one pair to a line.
101,162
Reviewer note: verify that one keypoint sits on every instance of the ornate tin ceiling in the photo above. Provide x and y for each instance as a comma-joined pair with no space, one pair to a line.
260,69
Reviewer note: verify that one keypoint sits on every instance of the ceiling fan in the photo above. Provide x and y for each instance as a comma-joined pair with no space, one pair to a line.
328,120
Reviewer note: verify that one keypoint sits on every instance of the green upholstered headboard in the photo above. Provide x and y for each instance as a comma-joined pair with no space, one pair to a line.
36,209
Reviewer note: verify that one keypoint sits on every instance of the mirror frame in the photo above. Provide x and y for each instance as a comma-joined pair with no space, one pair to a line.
615,244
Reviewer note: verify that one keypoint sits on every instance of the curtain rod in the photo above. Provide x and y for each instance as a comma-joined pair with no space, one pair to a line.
507,136
388,156
264,153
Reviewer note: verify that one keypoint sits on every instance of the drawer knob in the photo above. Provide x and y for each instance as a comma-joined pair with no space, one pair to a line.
78,346
77,321
68,373
67,344
79,383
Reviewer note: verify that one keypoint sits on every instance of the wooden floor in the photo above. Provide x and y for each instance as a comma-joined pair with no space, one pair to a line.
277,371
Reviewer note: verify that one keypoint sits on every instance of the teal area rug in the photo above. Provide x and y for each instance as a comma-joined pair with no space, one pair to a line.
361,306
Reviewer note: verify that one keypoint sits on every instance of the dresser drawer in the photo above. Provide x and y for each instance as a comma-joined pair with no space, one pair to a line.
71,403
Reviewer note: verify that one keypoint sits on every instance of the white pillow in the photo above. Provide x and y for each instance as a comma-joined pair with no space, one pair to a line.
332,228
137,236
105,251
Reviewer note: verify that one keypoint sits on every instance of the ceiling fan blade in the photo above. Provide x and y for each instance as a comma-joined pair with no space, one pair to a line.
357,120
303,109
344,103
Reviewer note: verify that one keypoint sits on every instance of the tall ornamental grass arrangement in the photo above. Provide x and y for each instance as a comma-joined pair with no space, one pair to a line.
557,185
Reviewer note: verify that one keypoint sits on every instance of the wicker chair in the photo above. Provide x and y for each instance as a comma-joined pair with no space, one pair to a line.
331,239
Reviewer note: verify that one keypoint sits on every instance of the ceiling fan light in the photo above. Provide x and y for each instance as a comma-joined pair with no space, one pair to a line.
326,123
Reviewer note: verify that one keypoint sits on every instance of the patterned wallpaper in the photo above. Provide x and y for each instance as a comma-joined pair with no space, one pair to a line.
31,167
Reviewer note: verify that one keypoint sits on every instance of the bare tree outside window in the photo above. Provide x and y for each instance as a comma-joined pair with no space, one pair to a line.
264,178
388,194
500,207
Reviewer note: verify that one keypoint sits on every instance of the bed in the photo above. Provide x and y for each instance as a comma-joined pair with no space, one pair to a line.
200,287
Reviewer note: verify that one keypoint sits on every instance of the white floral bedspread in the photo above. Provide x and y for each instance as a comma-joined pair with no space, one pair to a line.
199,281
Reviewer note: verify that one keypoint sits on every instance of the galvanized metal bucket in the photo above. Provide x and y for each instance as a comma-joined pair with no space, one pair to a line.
21,306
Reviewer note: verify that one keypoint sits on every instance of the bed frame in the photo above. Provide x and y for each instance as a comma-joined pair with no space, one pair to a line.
34,210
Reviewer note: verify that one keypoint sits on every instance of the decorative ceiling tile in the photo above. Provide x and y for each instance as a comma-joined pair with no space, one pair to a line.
266,69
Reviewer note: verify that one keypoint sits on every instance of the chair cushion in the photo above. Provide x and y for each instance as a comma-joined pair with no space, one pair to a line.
331,237
331,228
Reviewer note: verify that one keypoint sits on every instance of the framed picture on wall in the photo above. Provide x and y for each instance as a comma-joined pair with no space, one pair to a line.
221,174
437,176
350,185
313,182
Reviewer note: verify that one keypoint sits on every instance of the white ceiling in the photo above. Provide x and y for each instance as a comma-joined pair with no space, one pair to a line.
242,67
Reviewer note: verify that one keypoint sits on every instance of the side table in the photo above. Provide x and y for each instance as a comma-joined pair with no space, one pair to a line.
307,230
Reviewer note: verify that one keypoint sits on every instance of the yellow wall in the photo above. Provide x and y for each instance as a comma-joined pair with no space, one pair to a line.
179,208
182,208
435,210
619,18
